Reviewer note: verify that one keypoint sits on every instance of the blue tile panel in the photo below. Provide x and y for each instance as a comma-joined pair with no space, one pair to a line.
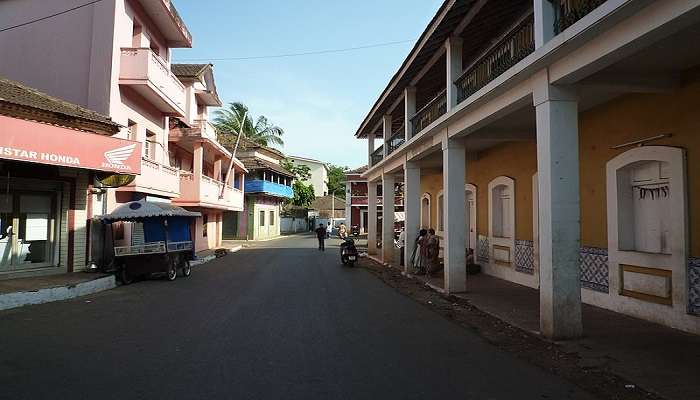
270,188
483,249
525,256
694,285
594,269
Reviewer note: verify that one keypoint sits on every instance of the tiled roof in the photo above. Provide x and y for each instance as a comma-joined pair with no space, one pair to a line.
357,171
229,141
325,203
15,93
188,70
252,164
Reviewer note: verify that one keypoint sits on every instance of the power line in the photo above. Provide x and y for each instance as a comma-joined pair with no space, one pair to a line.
306,53
49,16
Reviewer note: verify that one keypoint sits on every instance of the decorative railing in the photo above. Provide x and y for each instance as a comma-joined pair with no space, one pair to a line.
206,128
142,64
397,139
377,155
570,11
515,46
430,112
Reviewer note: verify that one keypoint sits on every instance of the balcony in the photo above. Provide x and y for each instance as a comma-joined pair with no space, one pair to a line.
377,155
157,179
149,75
259,186
397,139
364,200
165,16
515,46
208,192
568,12
430,112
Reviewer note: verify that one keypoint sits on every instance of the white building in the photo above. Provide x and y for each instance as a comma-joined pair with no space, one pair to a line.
319,174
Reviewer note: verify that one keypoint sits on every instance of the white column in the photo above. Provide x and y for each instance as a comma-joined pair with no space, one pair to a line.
454,69
453,173
370,149
348,205
388,181
386,127
372,217
409,95
544,22
559,216
411,207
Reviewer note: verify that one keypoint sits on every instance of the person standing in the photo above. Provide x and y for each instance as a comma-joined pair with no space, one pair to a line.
328,231
433,252
321,235
402,244
342,231
417,258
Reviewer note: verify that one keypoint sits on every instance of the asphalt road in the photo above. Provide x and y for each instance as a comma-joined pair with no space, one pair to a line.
278,321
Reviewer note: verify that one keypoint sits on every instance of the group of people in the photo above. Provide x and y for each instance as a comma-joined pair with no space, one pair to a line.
425,257
323,233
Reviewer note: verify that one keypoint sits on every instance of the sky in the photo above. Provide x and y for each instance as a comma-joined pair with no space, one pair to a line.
319,100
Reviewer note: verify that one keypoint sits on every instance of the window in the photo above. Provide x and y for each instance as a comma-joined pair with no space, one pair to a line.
262,218
272,218
132,130
205,225
425,211
502,219
149,149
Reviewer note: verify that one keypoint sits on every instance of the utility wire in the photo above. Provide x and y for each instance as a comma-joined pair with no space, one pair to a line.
305,53
49,16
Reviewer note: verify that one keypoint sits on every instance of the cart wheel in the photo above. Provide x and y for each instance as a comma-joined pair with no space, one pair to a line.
125,277
172,272
186,268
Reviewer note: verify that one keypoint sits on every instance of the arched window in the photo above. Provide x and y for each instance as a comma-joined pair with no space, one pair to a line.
502,219
425,211
440,212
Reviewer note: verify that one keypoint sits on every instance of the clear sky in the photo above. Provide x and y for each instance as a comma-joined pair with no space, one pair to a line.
319,100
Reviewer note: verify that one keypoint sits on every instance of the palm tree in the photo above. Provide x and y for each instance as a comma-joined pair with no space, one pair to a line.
228,122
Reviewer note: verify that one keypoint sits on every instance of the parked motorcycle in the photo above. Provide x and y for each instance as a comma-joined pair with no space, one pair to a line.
355,230
348,252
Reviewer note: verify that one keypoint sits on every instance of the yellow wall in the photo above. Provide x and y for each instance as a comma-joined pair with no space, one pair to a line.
631,118
431,182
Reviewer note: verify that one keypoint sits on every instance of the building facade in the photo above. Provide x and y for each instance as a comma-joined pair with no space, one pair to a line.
357,210
318,171
556,140
49,187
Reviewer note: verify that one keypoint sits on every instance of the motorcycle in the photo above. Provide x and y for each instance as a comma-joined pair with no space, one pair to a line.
355,230
348,252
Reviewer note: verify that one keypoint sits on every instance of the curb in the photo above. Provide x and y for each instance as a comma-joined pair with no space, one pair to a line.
204,260
41,296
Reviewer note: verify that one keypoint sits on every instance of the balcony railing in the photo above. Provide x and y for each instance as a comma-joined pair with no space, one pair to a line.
157,178
515,46
397,139
377,155
570,11
206,128
208,192
430,112
150,75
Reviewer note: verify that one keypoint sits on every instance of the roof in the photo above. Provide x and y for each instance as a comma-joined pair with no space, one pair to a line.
325,203
189,70
228,139
357,171
253,164
16,93
135,210
308,160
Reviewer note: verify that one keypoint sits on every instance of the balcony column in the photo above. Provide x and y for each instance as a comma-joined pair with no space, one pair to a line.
454,68
411,207
372,218
348,204
409,96
197,165
242,179
453,175
388,182
386,128
217,169
556,111
544,11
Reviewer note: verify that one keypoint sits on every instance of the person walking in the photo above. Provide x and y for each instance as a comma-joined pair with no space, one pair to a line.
432,253
321,235
342,231
328,231
417,258
401,242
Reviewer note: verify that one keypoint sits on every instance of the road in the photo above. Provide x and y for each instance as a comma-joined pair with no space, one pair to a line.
277,321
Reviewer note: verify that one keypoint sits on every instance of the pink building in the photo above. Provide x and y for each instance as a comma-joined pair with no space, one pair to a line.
114,57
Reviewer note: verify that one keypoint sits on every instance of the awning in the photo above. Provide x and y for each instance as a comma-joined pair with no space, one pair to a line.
40,143
136,210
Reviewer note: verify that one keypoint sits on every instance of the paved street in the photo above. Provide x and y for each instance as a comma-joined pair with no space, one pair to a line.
279,320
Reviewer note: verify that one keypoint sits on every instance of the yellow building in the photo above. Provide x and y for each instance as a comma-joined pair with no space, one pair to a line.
557,140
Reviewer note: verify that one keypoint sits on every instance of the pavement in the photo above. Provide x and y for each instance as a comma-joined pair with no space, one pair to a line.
278,320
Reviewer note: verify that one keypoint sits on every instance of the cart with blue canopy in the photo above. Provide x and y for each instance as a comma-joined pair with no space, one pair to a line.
164,244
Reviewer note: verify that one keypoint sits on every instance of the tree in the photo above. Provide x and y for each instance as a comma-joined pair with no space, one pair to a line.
301,172
303,194
336,180
262,132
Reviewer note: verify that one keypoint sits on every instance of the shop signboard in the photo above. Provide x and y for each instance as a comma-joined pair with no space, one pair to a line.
35,142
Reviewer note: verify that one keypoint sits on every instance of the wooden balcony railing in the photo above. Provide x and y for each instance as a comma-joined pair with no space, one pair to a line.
377,155
430,112
516,45
570,11
397,139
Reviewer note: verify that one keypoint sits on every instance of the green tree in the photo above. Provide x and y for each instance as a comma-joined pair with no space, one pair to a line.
336,180
260,131
303,194
301,172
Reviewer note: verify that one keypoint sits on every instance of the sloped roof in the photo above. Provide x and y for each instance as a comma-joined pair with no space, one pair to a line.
137,210
189,70
325,203
253,163
16,93
228,140
357,171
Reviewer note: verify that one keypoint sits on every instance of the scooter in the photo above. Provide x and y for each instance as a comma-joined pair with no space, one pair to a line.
355,230
348,252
